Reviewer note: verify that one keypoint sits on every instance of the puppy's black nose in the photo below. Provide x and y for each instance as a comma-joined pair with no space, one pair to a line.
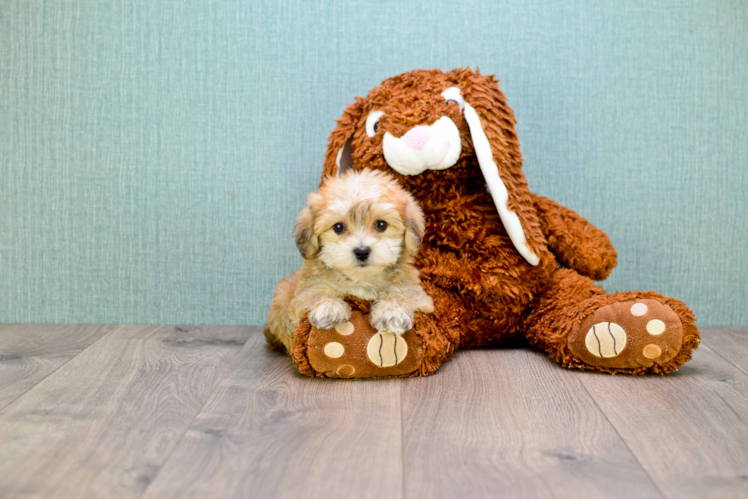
362,253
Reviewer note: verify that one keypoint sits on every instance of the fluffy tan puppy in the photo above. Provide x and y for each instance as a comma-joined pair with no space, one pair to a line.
357,235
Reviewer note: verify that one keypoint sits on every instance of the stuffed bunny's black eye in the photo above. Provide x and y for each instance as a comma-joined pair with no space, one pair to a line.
338,228
372,122
381,226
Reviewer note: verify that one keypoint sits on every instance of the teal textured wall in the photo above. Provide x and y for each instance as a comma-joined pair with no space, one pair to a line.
154,153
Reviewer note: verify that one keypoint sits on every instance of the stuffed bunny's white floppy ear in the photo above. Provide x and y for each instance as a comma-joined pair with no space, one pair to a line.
344,160
339,155
490,171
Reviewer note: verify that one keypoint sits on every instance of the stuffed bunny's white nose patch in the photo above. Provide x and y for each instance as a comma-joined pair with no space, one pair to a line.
425,147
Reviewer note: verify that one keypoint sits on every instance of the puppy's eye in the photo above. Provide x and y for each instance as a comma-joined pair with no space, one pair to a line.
372,122
338,228
380,226
451,101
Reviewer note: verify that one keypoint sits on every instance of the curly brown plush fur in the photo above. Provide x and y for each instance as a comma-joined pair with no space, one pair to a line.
484,291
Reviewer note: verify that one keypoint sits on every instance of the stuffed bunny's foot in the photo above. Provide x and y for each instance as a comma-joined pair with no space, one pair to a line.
630,334
355,349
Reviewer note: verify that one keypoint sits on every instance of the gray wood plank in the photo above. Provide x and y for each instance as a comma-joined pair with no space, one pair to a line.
269,432
103,424
511,423
688,429
730,343
30,352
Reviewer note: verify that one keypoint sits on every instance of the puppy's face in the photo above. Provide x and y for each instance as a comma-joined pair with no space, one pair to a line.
360,224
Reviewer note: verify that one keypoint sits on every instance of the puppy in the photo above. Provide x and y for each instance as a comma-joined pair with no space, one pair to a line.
357,235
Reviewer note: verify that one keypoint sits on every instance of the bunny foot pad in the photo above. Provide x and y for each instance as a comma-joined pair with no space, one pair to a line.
354,349
630,334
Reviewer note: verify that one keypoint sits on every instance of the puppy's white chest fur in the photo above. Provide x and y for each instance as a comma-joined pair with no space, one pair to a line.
364,291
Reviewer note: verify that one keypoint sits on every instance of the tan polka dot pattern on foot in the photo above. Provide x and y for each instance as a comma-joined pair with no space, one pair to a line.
652,351
655,327
345,328
334,350
346,371
639,309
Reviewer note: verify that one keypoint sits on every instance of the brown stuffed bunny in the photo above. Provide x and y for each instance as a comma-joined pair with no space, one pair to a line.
498,261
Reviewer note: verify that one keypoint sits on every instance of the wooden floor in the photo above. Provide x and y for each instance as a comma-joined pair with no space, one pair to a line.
144,411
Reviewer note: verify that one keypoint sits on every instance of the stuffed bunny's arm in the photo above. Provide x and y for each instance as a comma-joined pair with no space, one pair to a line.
576,243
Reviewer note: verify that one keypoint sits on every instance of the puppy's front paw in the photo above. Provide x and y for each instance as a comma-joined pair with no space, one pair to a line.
329,313
391,317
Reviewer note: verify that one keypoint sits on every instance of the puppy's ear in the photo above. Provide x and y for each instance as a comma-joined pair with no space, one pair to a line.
306,241
415,227
338,157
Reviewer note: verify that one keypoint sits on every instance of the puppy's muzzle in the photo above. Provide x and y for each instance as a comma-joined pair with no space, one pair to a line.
361,253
